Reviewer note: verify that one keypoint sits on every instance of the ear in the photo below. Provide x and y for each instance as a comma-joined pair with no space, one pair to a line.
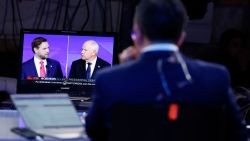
181,39
35,50
141,40
137,36
94,52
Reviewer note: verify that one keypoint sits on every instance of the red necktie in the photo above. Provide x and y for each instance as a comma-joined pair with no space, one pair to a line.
42,69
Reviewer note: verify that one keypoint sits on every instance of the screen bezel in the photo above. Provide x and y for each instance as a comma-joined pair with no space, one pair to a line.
23,85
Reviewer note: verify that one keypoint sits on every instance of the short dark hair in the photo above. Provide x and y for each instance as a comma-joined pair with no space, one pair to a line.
36,42
161,20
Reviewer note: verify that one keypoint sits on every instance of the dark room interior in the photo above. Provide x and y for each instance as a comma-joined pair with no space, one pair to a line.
213,27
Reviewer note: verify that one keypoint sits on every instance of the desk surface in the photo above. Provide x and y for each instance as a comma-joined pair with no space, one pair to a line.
10,119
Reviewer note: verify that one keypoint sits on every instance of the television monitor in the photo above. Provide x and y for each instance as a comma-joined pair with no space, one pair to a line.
65,47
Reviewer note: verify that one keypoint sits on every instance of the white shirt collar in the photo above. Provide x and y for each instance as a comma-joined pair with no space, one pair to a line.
161,47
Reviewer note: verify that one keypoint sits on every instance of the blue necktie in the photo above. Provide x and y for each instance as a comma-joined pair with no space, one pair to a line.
88,71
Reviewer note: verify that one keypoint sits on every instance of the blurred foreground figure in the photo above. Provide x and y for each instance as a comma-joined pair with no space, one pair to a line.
163,95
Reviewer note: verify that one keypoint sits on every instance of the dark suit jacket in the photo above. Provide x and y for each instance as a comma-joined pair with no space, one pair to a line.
138,82
78,68
53,69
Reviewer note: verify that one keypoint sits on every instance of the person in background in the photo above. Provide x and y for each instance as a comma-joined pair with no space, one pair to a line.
161,73
235,56
40,65
89,64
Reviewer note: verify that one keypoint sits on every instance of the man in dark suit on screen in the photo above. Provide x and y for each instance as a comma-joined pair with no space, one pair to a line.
161,74
40,65
87,66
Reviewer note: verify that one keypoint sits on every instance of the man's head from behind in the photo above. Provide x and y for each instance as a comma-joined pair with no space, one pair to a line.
159,21
40,47
89,50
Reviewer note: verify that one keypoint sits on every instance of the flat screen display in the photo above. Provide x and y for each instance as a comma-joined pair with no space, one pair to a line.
65,48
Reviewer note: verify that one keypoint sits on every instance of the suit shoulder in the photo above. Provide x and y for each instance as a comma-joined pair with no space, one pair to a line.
101,61
210,66
77,61
197,63
28,62
208,70
115,71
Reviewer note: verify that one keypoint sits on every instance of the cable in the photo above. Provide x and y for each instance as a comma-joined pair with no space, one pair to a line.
184,68
162,77
87,19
